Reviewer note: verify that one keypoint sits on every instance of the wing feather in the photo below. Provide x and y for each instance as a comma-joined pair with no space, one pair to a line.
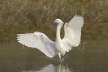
38,40
72,31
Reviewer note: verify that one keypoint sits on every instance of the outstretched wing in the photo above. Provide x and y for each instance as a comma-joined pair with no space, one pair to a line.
38,40
72,31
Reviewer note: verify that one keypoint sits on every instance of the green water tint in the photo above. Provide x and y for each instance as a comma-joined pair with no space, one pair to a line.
90,56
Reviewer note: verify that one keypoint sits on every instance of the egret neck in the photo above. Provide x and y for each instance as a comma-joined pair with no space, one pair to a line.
58,38
59,26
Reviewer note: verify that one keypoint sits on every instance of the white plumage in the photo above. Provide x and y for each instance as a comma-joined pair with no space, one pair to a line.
39,40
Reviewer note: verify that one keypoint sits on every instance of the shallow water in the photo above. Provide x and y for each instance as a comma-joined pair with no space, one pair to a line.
90,56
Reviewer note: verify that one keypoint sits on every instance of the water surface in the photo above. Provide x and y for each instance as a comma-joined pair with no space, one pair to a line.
90,56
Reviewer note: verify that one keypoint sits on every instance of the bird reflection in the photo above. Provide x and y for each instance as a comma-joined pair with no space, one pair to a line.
52,68
63,68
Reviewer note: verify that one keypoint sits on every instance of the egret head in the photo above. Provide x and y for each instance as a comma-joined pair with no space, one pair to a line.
58,21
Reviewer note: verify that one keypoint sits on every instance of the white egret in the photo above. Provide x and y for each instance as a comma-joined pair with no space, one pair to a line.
60,47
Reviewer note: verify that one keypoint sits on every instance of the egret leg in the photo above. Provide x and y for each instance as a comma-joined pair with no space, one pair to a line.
59,56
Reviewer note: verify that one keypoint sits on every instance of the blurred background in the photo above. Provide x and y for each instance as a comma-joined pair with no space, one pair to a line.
24,16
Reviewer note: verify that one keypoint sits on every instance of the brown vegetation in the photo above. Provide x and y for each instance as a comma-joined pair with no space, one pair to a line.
22,16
